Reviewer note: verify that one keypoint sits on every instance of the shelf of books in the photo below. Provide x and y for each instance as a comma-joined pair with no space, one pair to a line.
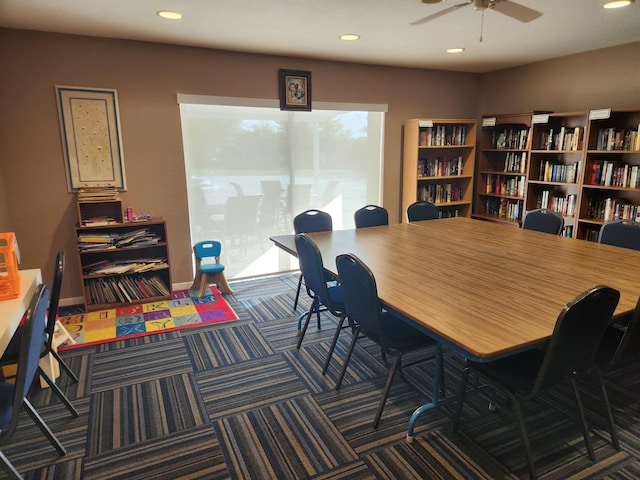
611,182
438,164
555,170
123,264
502,168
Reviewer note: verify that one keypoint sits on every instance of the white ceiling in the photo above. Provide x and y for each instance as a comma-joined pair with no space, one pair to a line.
310,28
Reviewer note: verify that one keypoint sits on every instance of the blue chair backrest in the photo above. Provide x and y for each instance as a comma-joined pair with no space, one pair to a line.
312,267
311,221
422,211
577,335
543,220
56,286
207,248
32,341
360,294
371,216
621,233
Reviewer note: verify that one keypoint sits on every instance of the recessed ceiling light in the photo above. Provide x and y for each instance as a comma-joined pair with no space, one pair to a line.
168,14
618,3
455,50
349,36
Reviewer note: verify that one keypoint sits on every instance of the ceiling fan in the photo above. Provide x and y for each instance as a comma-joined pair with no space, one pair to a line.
506,7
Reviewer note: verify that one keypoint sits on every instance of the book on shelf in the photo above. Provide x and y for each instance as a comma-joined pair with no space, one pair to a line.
97,194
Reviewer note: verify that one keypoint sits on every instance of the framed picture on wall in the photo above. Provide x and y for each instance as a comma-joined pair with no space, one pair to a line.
90,129
294,89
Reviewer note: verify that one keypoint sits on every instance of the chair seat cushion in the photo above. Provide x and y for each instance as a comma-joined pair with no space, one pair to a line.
399,335
211,268
516,372
6,404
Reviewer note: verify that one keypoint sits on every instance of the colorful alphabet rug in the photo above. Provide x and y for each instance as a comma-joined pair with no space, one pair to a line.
183,311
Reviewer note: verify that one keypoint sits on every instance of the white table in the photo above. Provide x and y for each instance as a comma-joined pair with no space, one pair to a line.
12,311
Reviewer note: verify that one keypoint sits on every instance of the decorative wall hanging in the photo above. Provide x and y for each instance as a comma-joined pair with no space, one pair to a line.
295,90
90,127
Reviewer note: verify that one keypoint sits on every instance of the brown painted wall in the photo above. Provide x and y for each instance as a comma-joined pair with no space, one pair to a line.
148,77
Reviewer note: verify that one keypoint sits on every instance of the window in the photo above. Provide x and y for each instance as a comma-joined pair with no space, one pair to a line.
251,169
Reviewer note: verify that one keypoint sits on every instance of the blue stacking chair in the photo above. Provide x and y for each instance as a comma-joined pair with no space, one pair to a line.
422,211
543,220
621,233
311,221
367,319
13,396
371,216
208,273
324,297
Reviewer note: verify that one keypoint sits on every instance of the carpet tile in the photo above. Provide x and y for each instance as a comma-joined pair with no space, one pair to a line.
237,400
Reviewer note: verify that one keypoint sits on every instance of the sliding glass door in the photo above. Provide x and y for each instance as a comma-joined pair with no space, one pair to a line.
250,170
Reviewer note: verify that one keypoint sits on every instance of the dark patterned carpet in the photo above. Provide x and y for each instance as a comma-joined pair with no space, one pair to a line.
238,401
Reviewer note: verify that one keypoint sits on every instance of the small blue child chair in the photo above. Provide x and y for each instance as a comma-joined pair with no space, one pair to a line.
207,272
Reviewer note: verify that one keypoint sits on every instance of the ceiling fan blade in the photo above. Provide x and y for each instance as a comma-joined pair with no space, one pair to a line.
428,18
515,10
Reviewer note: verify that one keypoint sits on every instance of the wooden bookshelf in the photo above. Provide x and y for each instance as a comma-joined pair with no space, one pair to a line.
124,264
502,167
610,186
556,165
438,164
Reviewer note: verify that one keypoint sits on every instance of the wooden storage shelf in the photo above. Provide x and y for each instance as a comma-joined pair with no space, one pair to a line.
100,212
438,164
136,258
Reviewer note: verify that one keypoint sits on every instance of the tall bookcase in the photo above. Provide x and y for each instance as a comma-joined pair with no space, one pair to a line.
611,183
555,168
124,264
438,164
502,169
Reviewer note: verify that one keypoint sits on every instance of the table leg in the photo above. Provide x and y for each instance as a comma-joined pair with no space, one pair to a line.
435,394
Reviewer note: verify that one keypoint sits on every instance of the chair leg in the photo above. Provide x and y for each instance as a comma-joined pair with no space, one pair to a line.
612,426
295,302
64,365
523,436
347,358
58,392
314,306
583,420
204,284
396,364
8,468
461,393
221,281
333,345
37,419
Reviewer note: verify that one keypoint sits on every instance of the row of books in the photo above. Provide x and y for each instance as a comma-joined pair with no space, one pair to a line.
510,138
559,172
439,167
562,204
515,162
610,209
442,135
504,208
505,185
124,289
440,193
566,138
618,139
119,267
610,174
567,231
88,241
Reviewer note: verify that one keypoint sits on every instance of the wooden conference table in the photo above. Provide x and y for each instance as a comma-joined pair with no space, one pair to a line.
483,289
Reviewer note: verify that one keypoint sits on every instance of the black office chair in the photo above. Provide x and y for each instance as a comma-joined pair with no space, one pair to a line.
13,396
422,211
367,319
371,216
621,233
311,221
324,297
570,352
11,354
543,220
